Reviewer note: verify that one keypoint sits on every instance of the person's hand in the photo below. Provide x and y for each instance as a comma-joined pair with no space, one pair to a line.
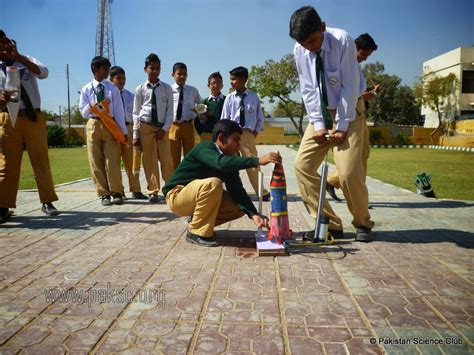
261,221
270,158
377,89
338,137
136,142
8,49
320,136
4,98
160,134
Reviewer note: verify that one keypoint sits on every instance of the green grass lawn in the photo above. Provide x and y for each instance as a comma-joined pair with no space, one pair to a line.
451,172
67,164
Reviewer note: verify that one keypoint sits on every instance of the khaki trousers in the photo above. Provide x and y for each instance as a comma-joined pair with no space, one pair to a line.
127,158
207,201
155,150
333,178
103,151
248,149
33,136
181,135
352,171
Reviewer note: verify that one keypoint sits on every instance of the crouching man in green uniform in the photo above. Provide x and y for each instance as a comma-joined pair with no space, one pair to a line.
197,186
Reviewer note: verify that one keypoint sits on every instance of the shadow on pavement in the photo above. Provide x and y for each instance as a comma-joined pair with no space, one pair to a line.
427,204
79,220
462,239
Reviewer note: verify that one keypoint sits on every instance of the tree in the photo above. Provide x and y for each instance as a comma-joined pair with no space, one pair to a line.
279,80
440,95
396,102
50,115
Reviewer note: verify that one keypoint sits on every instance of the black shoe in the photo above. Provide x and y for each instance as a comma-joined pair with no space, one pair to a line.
49,209
336,234
364,235
106,200
202,241
266,198
117,200
332,192
4,215
139,196
153,199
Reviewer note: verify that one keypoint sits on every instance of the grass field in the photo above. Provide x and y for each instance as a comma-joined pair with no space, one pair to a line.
452,172
67,164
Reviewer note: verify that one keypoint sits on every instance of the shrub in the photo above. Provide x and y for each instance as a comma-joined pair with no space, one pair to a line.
56,136
375,136
403,138
75,141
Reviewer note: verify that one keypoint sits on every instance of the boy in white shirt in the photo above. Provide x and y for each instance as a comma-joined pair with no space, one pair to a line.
243,106
329,79
103,149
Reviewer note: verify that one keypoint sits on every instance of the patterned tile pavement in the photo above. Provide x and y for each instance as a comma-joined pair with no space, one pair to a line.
123,279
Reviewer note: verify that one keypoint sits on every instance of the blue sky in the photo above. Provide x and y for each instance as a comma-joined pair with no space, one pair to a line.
211,35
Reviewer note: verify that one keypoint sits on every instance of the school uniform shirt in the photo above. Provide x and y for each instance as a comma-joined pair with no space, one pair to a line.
362,83
207,160
253,110
342,75
142,105
191,97
127,102
28,79
112,93
214,109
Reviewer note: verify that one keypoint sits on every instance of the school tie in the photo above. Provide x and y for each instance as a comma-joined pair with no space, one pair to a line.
123,104
242,110
99,92
323,94
154,112
30,110
179,111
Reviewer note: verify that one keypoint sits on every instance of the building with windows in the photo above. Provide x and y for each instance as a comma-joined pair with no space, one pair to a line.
459,61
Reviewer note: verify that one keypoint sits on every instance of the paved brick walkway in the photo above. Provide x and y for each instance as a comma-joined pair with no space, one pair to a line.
144,289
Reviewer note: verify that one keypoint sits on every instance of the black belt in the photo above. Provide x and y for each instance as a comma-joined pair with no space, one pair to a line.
128,123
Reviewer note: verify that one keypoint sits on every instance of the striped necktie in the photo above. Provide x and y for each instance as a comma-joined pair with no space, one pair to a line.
323,94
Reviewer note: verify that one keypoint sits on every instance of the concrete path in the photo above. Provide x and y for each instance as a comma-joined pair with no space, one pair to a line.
122,278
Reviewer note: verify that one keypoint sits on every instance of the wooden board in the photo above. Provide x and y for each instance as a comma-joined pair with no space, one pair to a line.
266,247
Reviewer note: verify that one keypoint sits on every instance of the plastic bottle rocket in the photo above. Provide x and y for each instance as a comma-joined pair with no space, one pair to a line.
279,224
13,85
423,185
137,158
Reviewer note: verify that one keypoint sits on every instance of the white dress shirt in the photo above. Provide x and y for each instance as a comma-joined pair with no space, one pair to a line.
142,105
191,97
112,93
28,79
253,110
363,83
342,75
127,102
